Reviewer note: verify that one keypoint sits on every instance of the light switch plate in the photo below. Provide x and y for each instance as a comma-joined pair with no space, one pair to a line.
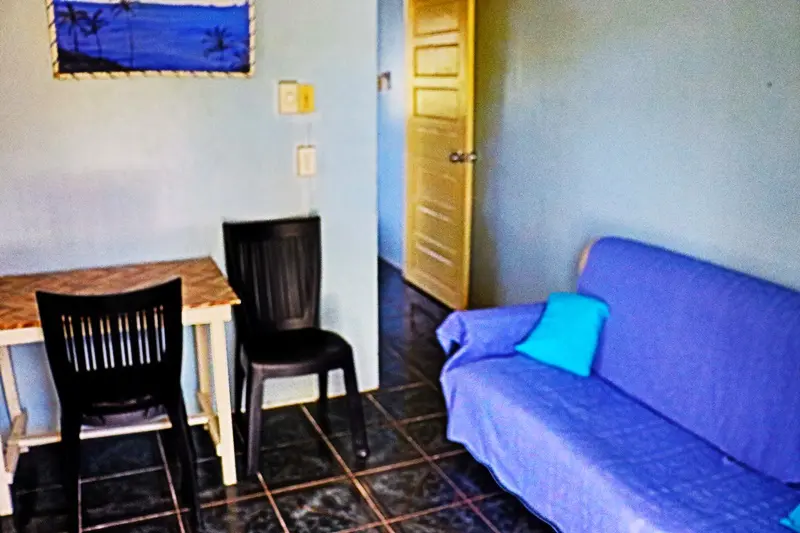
306,98
306,161
288,98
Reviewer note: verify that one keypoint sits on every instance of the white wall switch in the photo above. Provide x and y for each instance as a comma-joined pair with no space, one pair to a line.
288,98
306,161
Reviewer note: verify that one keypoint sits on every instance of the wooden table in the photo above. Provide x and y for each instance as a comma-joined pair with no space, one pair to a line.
207,301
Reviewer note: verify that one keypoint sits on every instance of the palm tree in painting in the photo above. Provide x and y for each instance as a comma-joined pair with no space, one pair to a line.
94,24
128,8
217,42
73,19
242,55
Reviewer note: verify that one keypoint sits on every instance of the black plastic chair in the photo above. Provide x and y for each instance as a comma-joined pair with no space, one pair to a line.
116,359
275,268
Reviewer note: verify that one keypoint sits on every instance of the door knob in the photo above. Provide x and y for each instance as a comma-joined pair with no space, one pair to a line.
461,157
458,157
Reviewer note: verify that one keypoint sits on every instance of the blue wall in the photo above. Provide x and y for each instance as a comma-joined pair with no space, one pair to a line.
118,171
673,122
391,132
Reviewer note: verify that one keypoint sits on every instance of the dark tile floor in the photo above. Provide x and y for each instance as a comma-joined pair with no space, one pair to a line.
309,480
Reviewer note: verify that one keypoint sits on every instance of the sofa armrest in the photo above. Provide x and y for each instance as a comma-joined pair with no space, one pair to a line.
489,331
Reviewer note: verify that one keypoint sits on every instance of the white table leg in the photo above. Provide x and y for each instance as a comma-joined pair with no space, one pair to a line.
203,359
14,414
222,398
204,382
9,383
6,505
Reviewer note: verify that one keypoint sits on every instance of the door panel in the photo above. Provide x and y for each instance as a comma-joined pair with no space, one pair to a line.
437,17
436,103
440,51
437,61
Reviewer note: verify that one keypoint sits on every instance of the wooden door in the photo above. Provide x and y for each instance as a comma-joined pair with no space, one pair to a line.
440,47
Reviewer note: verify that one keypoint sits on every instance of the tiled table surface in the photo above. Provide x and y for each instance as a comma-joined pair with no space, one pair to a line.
204,286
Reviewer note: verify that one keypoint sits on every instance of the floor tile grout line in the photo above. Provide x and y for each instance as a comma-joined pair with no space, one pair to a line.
444,507
338,434
421,375
447,455
120,475
389,468
413,367
358,529
228,501
353,479
420,418
358,474
461,494
404,421
138,519
172,491
426,512
308,485
404,386
43,488
273,503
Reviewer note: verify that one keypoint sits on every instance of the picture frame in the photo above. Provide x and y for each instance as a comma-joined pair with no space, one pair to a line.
96,39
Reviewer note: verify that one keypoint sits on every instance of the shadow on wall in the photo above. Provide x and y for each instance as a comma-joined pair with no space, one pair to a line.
491,61
511,232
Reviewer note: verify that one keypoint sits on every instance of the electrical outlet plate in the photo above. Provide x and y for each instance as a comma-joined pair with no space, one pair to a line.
306,161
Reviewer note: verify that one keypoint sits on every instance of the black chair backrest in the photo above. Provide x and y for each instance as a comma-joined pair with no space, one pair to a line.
109,338
275,268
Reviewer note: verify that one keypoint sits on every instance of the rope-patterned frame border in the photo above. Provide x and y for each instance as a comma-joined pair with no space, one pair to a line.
147,73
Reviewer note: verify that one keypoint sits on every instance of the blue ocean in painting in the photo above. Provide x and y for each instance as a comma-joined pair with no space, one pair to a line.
127,36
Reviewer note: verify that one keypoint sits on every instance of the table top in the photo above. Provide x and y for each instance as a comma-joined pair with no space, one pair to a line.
203,286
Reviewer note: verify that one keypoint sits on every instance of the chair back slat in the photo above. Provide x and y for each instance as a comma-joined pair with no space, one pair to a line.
275,268
101,339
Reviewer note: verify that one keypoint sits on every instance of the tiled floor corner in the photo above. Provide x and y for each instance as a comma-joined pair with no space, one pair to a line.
309,480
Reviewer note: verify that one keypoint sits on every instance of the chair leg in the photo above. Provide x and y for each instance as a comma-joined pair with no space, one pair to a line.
255,396
238,380
71,460
186,455
356,410
322,403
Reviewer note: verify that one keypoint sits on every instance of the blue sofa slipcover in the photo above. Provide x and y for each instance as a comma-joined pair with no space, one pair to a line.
688,424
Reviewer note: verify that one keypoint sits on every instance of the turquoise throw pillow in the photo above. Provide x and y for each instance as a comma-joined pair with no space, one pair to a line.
793,521
567,334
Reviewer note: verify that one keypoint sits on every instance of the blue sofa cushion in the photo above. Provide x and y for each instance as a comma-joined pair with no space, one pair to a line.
714,350
793,520
588,457
566,336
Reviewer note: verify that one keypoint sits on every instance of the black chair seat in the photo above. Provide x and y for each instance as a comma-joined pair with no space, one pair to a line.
307,350
124,418
113,392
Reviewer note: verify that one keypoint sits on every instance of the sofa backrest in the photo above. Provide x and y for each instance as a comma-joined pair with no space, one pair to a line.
714,350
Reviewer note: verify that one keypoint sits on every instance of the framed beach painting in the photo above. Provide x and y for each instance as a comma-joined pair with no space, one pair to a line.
118,38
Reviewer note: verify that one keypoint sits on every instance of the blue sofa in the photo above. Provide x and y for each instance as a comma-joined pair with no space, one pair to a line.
689,422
